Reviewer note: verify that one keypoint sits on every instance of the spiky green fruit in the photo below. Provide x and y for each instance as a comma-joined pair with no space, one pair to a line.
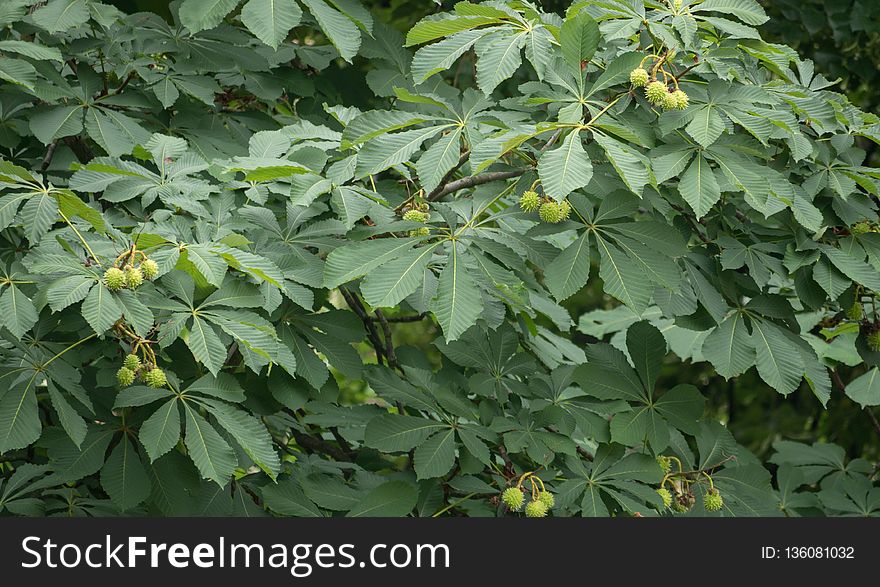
861,227
638,77
132,362
713,500
155,377
423,231
134,277
150,269
547,499
124,377
415,216
655,92
554,212
513,498
683,502
680,99
668,102
874,341
665,463
114,279
529,201
536,509
855,312
665,496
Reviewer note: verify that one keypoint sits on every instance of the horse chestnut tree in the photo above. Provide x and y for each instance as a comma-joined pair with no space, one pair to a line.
285,259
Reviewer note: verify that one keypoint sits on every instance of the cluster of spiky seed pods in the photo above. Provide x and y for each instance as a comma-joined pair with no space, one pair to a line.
127,274
659,93
549,210
132,368
681,499
540,503
418,213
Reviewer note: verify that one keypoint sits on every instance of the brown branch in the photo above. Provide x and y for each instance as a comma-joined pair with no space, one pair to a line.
372,334
80,148
475,180
461,161
124,83
414,318
319,445
390,355
47,159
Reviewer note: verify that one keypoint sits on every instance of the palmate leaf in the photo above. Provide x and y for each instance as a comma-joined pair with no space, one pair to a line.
729,347
339,28
392,499
579,37
19,415
621,277
358,259
498,57
435,456
632,166
100,309
779,362
17,311
698,187
442,156
271,20
212,456
458,303
566,168
569,272
123,476
398,278
161,431
866,388
395,433
439,56
199,15
250,434
387,150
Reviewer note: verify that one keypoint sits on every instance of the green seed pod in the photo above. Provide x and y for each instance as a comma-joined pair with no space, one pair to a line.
155,377
530,201
860,227
638,77
855,312
513,498
536,509
124,377
134,277
150,269
713,501
874,341
554,212
680,99
114,279
665,463
683,502
655,92
547,499
132,362
668,102
423,231
416,216
665,496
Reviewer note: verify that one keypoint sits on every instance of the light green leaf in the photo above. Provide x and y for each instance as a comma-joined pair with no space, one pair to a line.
100,309
17,311
698,187
579,37
160,432
568,273
435,456
212,456
271,20
566,168
398,278
729,347
458,303
200,15
865,389
124,478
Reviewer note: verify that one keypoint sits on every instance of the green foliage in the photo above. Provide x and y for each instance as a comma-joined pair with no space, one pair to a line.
239,200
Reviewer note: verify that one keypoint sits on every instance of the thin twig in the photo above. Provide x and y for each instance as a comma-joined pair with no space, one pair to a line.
372,334
390,355
47,159
475,180
413,318
461,161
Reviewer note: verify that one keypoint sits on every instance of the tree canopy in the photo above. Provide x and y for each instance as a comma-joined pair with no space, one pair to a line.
282,257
